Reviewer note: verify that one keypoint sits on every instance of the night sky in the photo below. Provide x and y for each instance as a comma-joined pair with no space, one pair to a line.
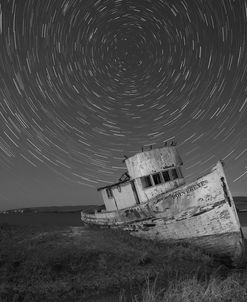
85,82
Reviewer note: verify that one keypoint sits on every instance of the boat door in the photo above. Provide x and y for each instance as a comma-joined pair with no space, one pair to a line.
135,192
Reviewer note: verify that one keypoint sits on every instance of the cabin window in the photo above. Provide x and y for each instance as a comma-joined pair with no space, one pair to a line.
109,193
174,174
157,179
166,176
146,181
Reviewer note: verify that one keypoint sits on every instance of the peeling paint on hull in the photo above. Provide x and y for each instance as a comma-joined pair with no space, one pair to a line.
202,213
213,231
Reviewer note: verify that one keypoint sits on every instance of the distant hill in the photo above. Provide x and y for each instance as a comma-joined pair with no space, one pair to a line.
55,209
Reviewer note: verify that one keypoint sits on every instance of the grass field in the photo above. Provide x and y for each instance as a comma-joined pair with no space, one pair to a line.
48,263
52,257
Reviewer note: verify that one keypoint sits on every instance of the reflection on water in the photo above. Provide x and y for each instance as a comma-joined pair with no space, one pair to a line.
48,219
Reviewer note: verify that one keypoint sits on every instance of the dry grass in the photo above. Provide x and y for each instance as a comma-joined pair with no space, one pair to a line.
76,264
233,289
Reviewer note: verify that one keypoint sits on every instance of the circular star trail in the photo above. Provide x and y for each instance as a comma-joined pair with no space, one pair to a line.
84,83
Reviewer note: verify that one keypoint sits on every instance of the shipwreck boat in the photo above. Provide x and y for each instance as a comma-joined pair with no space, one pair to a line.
151,200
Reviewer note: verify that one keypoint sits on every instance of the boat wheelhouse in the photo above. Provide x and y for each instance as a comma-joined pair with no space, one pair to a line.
149,174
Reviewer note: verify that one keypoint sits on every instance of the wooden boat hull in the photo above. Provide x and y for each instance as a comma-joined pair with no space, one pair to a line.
202,213
214,231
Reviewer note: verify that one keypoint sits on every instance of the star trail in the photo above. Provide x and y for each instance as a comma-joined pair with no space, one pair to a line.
84,83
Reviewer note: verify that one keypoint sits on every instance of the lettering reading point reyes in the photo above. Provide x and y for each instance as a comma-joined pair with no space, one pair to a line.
189,189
